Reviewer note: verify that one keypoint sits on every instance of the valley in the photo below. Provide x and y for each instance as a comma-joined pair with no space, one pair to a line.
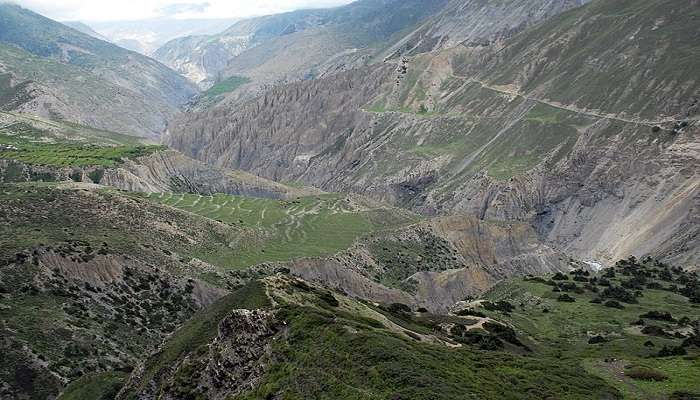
381,200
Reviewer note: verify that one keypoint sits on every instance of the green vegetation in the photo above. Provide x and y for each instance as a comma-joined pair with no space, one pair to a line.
347,353
68,154
228,85
399,258
283,230
618,344
102,386
60,144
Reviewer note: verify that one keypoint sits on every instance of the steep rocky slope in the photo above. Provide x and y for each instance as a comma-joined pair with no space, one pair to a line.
477,23
496,132
84,79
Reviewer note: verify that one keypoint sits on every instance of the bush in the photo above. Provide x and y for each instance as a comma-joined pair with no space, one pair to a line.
645,374
328,298
613,304
672,351
683,395
653,330
502,306
620,294
658,315
399,308
565,298
597,339
467,312
560,277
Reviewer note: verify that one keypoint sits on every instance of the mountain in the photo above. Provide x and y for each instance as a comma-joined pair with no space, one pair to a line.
520,130
77,77
84,28
147,35
267,48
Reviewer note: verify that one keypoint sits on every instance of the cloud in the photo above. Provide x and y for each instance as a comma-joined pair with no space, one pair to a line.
181,8
111,10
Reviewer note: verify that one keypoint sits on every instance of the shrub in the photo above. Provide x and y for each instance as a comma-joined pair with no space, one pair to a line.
328,298
467,312
560,277
656,129
597,339
502,306
566,298
613,304
645,374
620,294
399,308
658,315
672,351
683,395
653,330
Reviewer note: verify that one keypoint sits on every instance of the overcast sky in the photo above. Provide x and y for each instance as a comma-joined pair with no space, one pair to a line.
109,10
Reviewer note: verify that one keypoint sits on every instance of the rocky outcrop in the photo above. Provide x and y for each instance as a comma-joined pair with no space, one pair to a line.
478,23
232,363
171,171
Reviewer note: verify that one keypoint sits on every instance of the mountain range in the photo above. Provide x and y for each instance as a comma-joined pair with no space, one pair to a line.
385,200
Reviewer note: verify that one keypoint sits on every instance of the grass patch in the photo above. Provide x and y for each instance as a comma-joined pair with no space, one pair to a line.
226,86
103,386
284,230
24,145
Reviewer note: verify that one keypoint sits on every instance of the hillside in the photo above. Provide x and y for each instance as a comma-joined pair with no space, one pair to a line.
84,79
445,132
564,337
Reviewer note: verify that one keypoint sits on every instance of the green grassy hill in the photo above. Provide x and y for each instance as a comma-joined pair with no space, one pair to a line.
526,339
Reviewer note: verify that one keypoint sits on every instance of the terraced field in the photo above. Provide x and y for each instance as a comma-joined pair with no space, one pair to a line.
284,230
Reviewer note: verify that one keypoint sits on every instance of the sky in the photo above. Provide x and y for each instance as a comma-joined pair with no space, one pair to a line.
116,10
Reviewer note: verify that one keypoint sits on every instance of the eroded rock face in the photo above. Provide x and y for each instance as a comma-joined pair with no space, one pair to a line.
161,172
435,264
497,135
